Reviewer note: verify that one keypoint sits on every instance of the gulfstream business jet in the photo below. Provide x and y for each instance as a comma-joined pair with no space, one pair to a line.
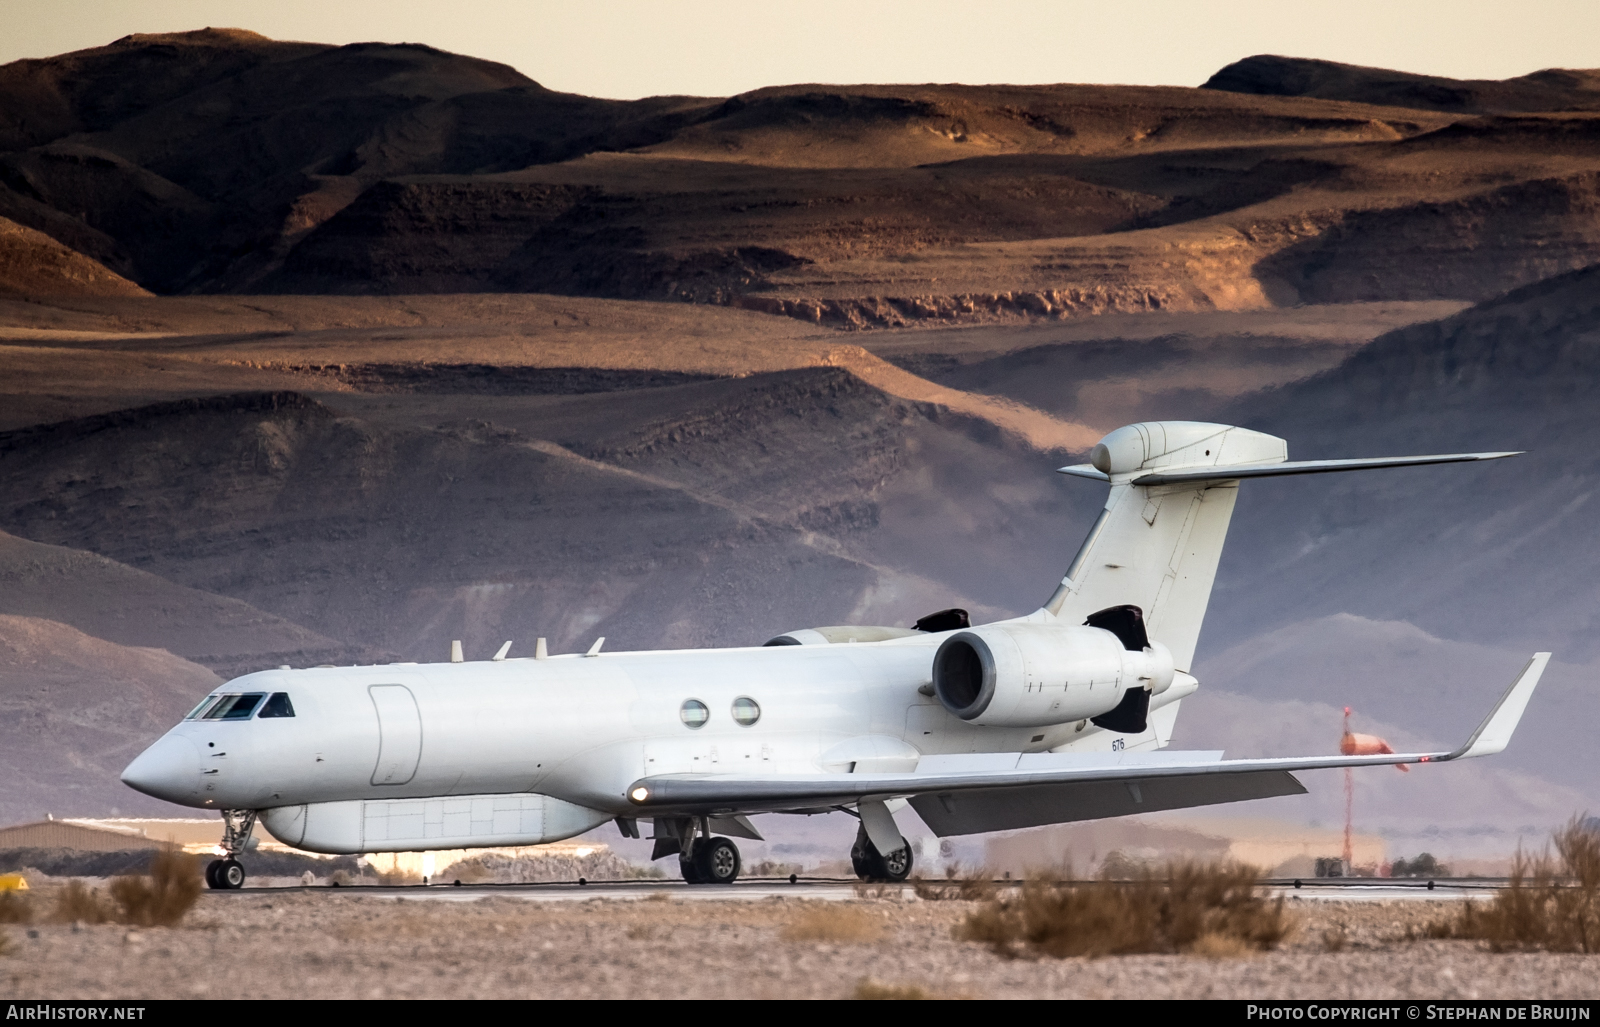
1061,715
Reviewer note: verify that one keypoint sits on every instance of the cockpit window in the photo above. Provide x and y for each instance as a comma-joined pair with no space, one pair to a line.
235,707
207,701
277,706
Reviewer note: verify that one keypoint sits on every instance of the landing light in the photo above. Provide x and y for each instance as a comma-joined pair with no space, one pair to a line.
639,794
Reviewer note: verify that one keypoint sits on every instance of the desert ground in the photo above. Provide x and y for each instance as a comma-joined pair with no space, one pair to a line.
660,945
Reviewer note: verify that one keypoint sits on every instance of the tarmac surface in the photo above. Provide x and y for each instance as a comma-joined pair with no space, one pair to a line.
842,889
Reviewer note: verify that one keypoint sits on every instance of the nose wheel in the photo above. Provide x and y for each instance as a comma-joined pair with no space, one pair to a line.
225,874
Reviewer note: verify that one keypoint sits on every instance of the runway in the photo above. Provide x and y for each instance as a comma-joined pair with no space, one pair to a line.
833,889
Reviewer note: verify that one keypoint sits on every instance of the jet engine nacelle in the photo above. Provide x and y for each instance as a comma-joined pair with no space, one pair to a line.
1031,675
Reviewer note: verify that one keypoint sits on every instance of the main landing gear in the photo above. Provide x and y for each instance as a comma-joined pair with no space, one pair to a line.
711,861
227,873
872,865
702,859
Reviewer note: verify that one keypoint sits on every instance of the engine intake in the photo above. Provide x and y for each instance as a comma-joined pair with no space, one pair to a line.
1029,675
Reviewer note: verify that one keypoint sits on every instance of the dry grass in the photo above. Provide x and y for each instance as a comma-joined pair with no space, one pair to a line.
1205,908
967,884
1551,905
161,897
870,989
1222,946
7,946
1334,939
78,903
833,922
15,908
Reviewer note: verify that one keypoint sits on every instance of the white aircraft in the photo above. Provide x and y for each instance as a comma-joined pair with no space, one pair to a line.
1053,717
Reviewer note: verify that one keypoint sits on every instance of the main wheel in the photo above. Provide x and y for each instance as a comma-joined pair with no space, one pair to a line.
718,861
863,857
212,881
871,865
896,866
230,874
690,868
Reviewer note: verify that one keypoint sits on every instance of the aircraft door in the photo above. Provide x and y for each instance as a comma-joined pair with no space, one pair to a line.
399,734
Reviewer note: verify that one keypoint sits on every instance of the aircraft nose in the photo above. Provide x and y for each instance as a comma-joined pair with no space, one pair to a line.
169,769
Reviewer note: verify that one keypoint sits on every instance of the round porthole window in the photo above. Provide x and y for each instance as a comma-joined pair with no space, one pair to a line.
694,713
745,710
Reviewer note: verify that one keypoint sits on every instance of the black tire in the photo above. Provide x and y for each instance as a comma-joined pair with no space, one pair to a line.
718,861
230,874
863,855
212,881
690,868
896,866
871,865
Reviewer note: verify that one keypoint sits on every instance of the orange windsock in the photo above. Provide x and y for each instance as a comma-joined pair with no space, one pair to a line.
1364,745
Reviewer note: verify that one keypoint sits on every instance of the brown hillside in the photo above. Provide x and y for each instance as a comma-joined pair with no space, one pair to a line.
1554,89
75,710
33,264
223,162
131,607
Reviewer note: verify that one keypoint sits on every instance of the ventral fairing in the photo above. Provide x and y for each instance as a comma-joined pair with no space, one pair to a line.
1061,715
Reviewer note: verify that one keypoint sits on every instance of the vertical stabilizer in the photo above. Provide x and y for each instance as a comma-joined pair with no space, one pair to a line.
1157,546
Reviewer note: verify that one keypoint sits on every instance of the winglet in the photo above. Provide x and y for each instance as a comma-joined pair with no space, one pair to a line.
1495,731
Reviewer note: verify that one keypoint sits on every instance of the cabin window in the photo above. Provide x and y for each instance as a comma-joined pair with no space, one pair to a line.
694,713
277,705
207,701
746,711
235,707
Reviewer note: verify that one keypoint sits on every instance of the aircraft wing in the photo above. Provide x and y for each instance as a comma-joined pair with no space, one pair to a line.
964,794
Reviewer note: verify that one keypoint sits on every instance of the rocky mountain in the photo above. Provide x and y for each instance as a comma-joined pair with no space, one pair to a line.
222,161
1554,89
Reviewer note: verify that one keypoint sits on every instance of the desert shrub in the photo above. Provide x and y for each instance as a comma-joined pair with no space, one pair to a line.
1549,904
834,922
161,897
1124,866
77,902
773,868
530,868
970,884
15,908
1425,865
868,988
1207,908
7,946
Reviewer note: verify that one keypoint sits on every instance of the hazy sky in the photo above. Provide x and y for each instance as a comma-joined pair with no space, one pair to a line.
628,49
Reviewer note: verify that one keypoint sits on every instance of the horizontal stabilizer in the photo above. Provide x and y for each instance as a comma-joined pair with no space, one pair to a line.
1179,476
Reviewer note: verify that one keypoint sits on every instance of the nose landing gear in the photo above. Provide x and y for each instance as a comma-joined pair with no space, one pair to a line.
227,874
